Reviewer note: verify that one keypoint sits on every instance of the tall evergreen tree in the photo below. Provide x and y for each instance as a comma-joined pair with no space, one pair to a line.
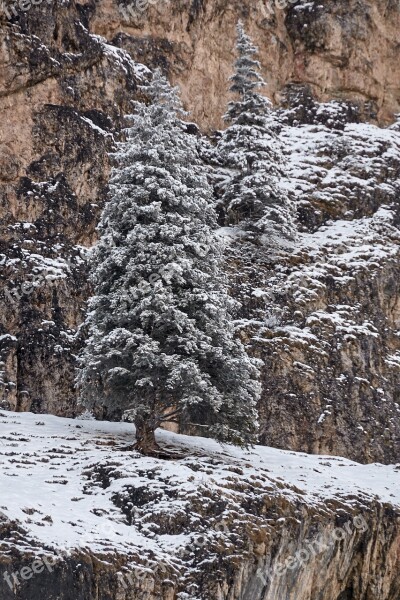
161,343
251,158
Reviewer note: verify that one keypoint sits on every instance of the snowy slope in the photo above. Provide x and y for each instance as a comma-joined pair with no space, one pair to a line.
63,481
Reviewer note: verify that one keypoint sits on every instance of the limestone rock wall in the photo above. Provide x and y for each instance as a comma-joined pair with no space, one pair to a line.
344,49
62,94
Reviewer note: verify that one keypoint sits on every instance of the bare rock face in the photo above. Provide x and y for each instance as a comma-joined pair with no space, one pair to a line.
344,49
62,94
325,320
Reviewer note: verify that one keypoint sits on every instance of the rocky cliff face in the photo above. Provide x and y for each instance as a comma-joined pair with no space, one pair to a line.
346,49
331,344
63,92
324,320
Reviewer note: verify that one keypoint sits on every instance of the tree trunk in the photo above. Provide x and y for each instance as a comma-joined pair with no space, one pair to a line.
145,438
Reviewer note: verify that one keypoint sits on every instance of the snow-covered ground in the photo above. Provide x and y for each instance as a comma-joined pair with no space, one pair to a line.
69,483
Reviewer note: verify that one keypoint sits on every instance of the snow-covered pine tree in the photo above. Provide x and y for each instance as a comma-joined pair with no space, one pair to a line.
160,341
251,162
396,124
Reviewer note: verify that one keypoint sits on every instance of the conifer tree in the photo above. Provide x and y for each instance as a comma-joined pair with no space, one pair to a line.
161,343
251,160
396,124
